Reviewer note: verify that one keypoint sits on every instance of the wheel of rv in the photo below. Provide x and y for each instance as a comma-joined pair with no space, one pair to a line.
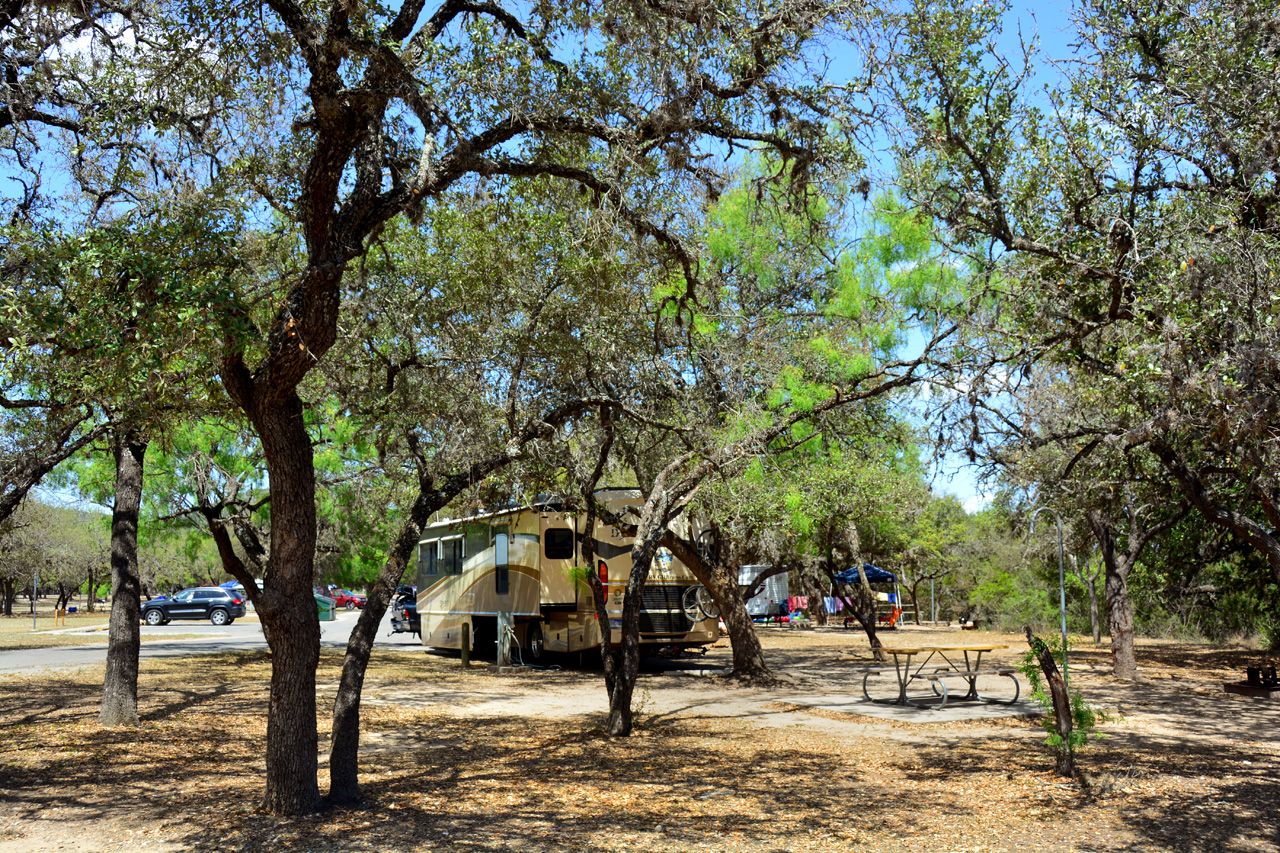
534,645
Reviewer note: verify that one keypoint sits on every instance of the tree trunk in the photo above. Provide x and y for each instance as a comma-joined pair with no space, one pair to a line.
1095,618
648,534
863,608
291,622
915,598
721,580
9,588
862,604
120,685
1116,590
1120,619
344,752
1063,721
610,663
91,600
749,665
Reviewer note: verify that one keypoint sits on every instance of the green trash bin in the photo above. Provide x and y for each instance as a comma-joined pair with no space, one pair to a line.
328,608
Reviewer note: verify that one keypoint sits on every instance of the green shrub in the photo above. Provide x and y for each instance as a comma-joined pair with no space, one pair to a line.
1085,718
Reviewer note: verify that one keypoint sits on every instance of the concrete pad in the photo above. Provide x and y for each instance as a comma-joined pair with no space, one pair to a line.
956,711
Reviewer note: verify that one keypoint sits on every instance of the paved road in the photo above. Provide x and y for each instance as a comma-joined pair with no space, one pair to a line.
237,637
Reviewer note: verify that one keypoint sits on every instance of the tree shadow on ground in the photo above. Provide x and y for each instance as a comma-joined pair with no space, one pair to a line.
434,779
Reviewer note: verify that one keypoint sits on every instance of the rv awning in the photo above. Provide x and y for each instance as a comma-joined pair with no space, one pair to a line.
874,574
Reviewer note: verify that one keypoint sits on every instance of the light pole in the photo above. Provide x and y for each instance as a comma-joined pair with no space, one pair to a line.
1062,585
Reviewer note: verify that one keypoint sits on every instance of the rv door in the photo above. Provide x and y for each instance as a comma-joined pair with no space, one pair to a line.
558,554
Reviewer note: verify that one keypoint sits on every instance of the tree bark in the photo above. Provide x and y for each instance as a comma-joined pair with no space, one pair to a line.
1095,614
291,622
749,664
91,600
1063,721
1116,591
1118,564
120,684
649,532
344,752
862,604
620,720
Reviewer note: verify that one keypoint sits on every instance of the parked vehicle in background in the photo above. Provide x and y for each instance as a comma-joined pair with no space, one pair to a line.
404,612
220,606
346,598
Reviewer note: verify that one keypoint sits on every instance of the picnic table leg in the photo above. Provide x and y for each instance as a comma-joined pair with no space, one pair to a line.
904,675
905,678
972,679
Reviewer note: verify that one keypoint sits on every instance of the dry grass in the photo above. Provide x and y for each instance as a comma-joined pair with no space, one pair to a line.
16,632
439,777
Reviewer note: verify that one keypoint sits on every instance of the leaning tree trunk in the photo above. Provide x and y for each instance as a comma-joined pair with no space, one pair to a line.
288,611
749,664
721,580
120,684
862,604
610,660
1063,721
344,753
863,608
648,534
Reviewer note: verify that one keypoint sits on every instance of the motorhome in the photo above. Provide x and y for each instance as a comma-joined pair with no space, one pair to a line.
523,568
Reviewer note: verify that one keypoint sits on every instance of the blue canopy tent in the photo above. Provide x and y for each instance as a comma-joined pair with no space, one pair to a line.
874,574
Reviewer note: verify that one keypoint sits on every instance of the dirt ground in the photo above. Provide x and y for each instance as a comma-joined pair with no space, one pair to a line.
480,761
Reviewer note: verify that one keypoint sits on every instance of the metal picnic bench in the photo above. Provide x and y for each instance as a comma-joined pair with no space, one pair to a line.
907,672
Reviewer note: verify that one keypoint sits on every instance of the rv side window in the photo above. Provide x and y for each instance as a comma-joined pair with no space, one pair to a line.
477,539
559,543
451,556
427,558
501,571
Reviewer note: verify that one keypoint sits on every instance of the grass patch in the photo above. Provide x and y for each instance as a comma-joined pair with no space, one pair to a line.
81,629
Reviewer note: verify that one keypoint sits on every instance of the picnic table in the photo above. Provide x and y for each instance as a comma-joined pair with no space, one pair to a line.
937,664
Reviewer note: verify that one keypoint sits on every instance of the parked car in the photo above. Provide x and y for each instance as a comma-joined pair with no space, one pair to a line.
218,605
404,613
346,598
